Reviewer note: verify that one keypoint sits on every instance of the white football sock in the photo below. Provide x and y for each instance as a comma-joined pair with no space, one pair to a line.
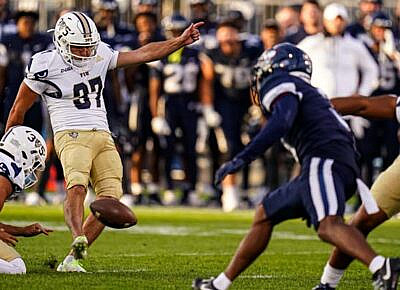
376,264
222,282
16,266
331,276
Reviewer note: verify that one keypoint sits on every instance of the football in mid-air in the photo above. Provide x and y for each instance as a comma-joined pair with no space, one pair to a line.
113,213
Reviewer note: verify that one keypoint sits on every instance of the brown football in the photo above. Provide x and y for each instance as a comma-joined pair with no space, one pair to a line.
113,213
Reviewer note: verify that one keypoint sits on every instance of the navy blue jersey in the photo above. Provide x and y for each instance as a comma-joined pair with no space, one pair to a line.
232,74
179,75
315,129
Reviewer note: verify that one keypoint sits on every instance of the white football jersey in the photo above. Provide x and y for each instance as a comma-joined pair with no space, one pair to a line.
74,99
11,169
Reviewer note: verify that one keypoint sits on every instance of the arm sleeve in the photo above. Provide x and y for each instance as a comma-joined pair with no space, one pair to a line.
111,54
284,112
369,71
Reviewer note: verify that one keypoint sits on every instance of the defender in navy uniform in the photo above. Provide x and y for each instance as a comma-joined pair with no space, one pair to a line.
138,115
176,80
301,115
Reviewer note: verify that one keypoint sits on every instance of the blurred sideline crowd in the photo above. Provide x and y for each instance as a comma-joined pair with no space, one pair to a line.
175,121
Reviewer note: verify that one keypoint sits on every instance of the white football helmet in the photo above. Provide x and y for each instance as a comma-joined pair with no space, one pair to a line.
75,29
28,149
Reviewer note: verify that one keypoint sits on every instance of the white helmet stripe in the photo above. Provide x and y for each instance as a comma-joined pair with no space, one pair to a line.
84,22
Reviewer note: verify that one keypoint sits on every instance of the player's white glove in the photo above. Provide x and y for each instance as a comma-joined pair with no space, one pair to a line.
160,126
213,119
359,125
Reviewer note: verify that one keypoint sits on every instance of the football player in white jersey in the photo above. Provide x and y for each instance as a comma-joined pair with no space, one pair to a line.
70,79
22,151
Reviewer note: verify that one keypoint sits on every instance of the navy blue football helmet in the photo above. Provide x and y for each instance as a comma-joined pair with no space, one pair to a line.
282,58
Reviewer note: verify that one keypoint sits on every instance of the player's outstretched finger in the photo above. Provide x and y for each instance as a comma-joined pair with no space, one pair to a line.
198,24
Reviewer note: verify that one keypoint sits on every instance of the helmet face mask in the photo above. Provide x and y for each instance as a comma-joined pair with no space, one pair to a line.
76,30
29,150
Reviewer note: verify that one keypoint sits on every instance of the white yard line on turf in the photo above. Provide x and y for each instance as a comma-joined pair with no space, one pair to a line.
256,277
169,230
119,271
195,254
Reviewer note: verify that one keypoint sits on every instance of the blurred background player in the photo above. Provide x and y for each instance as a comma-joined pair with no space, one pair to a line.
270,33
311,22
237,17
174,95
357,28
22,152
19,48
112,30
288,19
138,115
227,94
201,10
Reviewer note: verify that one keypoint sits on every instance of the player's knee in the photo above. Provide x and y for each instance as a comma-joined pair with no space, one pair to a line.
76,190
325,228
19,266
77,180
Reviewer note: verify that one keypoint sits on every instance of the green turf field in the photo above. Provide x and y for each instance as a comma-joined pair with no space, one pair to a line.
171,246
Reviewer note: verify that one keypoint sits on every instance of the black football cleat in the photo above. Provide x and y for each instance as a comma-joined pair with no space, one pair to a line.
322,286
386,277
203,284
